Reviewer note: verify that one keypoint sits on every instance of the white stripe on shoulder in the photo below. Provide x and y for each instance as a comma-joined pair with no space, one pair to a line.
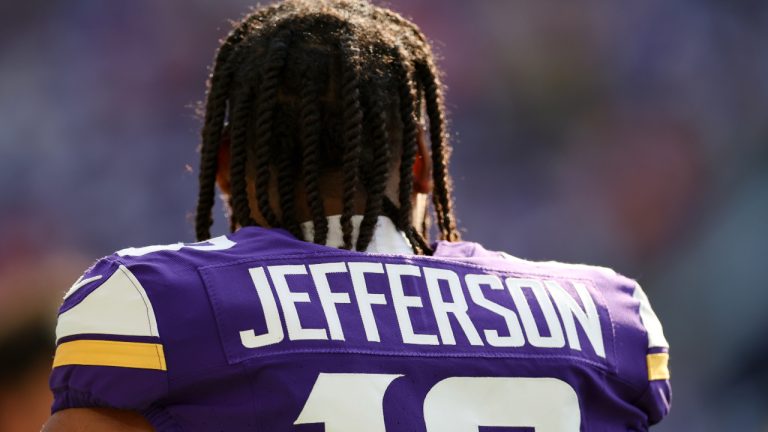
81,283
119,306
651,322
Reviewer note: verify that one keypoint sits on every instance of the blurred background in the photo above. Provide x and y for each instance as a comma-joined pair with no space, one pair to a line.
626,134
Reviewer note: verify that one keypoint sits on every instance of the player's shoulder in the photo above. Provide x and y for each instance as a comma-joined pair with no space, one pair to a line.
477,254
167,262
245,242
622,295
122,292
603,277
117,274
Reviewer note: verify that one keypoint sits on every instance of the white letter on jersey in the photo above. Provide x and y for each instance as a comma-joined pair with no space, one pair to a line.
347,402
214,244
442,308
555,338
515,338
588,317
354,402
464,404
274,332
403,302
365,299
329,299
288,300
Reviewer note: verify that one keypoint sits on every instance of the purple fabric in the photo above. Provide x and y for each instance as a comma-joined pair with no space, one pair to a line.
203,300
104,268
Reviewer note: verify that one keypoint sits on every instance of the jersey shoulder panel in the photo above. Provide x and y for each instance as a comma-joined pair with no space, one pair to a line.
642,349
657,398
115,333
120,294
109,352
107,299
141,317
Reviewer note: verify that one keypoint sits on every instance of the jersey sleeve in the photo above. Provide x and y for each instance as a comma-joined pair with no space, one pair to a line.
657,397
109,352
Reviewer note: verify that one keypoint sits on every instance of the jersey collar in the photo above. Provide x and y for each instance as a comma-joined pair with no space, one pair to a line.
386,239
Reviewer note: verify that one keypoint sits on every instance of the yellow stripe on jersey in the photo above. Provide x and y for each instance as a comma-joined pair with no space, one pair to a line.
137,355
658,366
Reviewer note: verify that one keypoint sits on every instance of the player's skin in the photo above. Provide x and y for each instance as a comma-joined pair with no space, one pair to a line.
331,188
97,419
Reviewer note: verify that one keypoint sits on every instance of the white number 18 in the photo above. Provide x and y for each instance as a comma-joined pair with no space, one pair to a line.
355,402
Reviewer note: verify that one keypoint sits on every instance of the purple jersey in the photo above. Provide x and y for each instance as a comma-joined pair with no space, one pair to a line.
258,331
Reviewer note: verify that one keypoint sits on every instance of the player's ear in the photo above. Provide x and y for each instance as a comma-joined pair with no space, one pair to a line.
422,167
222,173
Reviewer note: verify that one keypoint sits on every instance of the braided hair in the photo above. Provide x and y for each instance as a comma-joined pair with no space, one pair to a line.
306,87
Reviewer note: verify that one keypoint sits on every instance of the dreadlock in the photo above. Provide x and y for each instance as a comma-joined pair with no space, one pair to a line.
307,87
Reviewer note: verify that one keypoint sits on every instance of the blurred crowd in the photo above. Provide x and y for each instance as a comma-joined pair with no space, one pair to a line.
626,134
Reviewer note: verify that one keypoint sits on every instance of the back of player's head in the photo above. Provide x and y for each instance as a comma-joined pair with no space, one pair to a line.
306,87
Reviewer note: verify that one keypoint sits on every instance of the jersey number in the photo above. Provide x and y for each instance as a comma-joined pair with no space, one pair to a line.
355,402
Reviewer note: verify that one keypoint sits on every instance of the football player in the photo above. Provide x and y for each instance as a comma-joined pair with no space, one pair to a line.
327,307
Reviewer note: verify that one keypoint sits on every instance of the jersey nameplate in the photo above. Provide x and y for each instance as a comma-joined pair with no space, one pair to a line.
407,306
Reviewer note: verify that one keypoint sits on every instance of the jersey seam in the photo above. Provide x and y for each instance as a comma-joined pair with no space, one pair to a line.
646,387
123,267
128,275
609,374
78,296
211,304
97,402
484,355
366,255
